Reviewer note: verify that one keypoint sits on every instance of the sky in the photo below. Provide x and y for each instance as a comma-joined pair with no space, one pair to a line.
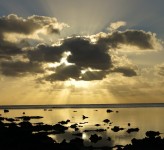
81,52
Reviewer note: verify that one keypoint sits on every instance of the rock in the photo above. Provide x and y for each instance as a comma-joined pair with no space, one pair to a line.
106,120
132,130
95,138
117,128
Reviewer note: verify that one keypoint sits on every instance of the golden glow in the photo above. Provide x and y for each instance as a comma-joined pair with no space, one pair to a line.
77,84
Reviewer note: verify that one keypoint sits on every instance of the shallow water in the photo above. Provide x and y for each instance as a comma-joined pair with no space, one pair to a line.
145,119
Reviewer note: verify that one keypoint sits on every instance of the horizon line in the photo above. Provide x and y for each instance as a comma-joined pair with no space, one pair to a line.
80,106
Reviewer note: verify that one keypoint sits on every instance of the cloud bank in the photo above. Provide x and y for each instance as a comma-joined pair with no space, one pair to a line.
89,56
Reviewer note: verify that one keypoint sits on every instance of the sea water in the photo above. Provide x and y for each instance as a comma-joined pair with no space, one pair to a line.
146,119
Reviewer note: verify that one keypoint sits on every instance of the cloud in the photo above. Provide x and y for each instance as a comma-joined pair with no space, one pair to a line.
85,54
20,68
116,25
45,53
90,57
160,69
128,72
15,24
64,73
93,75
17,32
141,39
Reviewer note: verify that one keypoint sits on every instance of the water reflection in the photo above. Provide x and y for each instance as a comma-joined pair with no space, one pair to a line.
97,128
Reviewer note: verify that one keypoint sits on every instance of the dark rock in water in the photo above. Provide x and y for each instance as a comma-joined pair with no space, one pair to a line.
74,111
152,134
74,125
64,122
24,113
117,111
109,139
28,118
96,110
11,119
129,124
97,125
106,120
84,117
109,111
5,110
117,128
95,138
152,142
132,130
60,128
83,122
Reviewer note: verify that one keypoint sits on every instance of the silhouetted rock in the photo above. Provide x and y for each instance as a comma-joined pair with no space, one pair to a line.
64,122
74,125
106,120
28,118
116,129
152,134
60,128
84,117
132,130
129,124
109,111
95,138
97,125
5,110
152,142
83,122
117,111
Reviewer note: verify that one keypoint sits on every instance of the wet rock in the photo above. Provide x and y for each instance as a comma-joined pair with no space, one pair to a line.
95,138
97,125
64,122
5,110
152,134
129,124
109,111
117,128
106,120
83,122
28,118
84,117
60,128
74,125
132,130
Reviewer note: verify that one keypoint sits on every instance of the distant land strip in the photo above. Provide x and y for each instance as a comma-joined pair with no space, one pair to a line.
80,106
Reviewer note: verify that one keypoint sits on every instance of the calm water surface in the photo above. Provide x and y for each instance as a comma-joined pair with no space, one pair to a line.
143,118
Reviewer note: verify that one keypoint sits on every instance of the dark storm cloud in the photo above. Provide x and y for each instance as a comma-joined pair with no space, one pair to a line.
85,54
141,39
19,68
128,72
94,75
64,73
45,53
